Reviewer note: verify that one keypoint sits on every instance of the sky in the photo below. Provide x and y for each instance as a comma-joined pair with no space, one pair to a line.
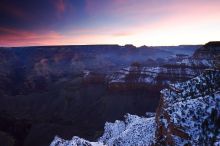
81,22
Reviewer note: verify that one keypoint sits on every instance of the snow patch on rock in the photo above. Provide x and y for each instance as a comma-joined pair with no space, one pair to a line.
135,130
75,141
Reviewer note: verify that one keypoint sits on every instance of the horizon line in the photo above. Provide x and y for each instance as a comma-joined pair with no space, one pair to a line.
105,45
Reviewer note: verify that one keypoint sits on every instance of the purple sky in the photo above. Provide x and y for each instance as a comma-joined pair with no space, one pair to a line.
138,22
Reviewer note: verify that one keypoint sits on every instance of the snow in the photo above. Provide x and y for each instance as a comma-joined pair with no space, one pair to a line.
148,75
135,130
112,130
75,141
191,112
86,73
192,88
188,67
196,62
190,104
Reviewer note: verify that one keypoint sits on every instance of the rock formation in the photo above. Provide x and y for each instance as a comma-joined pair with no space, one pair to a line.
188,114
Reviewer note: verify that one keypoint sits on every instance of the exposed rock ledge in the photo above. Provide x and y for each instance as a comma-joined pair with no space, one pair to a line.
134,130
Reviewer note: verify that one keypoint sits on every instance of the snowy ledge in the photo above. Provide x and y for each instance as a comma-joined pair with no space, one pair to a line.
135,130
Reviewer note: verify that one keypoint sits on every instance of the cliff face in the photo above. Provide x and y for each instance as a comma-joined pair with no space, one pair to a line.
209,52
151,75
178,68
188,112
174,70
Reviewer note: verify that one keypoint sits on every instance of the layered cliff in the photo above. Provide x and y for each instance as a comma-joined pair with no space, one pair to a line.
177,70
188,114
24,70
152,75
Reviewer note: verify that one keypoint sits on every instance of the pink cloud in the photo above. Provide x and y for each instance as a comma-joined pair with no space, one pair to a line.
14,37
60,5
186,21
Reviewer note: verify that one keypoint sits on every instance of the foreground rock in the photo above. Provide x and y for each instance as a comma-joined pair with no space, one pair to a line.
189,112
134,130
75,141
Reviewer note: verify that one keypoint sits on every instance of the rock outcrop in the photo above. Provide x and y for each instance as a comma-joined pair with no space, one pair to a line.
75,141
209,52
188,112
134,130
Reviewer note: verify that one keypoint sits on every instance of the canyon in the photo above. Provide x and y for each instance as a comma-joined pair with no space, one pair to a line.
73,90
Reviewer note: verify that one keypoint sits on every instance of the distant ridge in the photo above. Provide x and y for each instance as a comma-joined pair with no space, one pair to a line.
125,45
